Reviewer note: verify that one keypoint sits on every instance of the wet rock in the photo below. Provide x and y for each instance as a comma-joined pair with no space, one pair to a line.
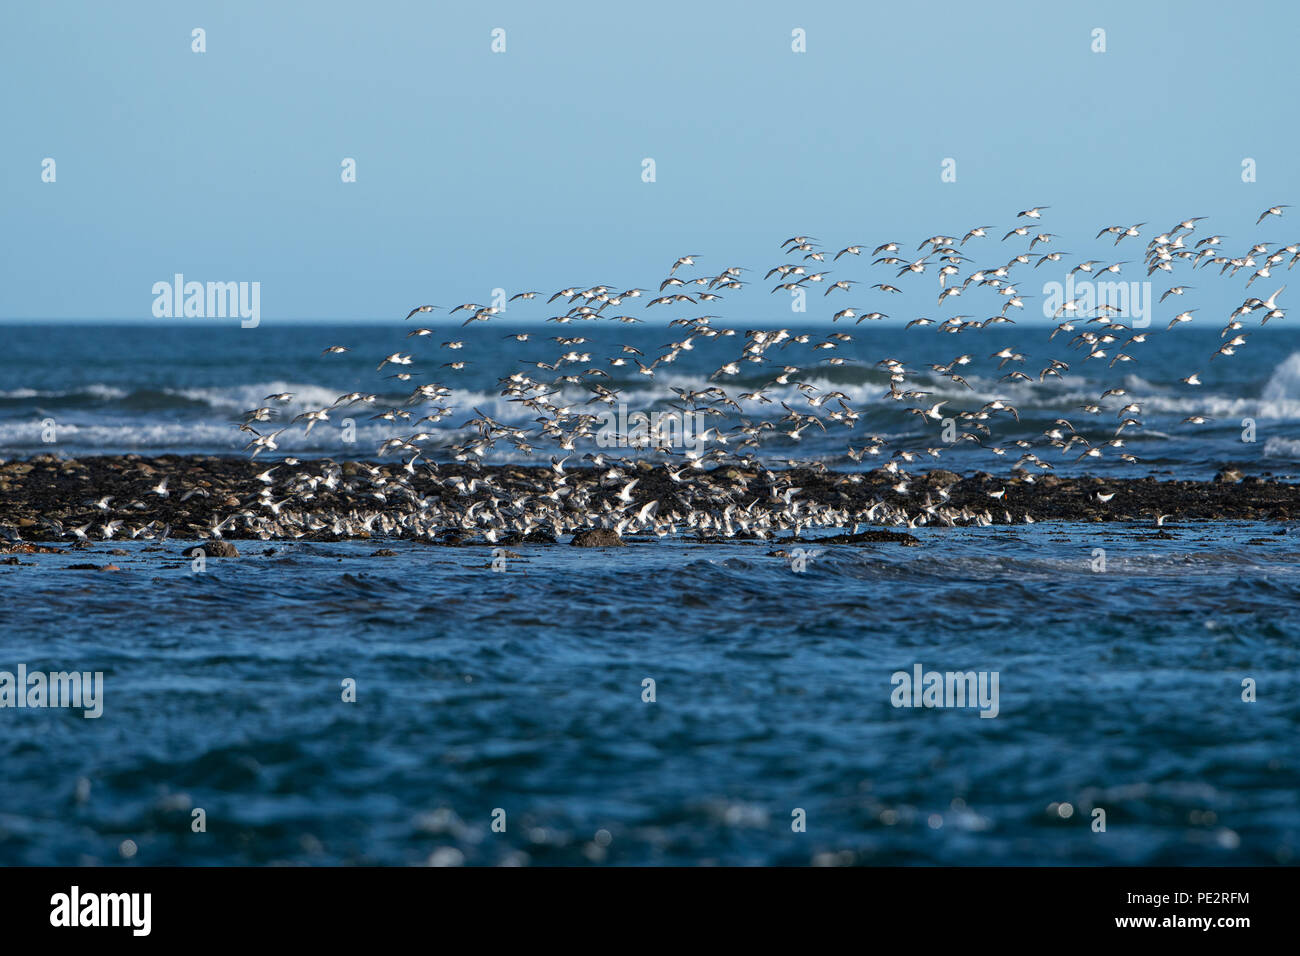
597,538
872,535
45,498
26,547
383,553
533,537
942,477
212,549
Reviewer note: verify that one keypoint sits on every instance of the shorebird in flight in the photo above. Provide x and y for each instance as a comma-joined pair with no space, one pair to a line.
1271,211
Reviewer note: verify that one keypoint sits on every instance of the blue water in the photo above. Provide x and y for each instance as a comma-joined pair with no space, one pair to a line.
521,689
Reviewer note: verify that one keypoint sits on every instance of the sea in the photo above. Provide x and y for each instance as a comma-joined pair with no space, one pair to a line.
174,388
1134,692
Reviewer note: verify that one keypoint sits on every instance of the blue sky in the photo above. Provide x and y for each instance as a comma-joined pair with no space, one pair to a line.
522,170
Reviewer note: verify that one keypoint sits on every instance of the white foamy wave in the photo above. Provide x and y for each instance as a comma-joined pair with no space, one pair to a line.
1279,399
241,398
94,390
1288,448
1284,384
1214,405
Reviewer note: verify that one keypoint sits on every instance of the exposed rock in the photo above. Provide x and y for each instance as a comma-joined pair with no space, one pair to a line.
212,549
26,547
597,538
942,477
46,498
874,534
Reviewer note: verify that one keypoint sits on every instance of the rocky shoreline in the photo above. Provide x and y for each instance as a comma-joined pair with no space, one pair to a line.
46,499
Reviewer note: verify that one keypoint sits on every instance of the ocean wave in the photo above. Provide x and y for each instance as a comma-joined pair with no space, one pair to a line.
92,393
192,436
1284,448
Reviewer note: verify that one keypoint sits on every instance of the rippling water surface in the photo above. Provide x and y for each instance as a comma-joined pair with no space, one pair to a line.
154,389
521,689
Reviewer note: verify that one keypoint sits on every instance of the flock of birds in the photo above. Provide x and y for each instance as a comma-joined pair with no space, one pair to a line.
722,487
